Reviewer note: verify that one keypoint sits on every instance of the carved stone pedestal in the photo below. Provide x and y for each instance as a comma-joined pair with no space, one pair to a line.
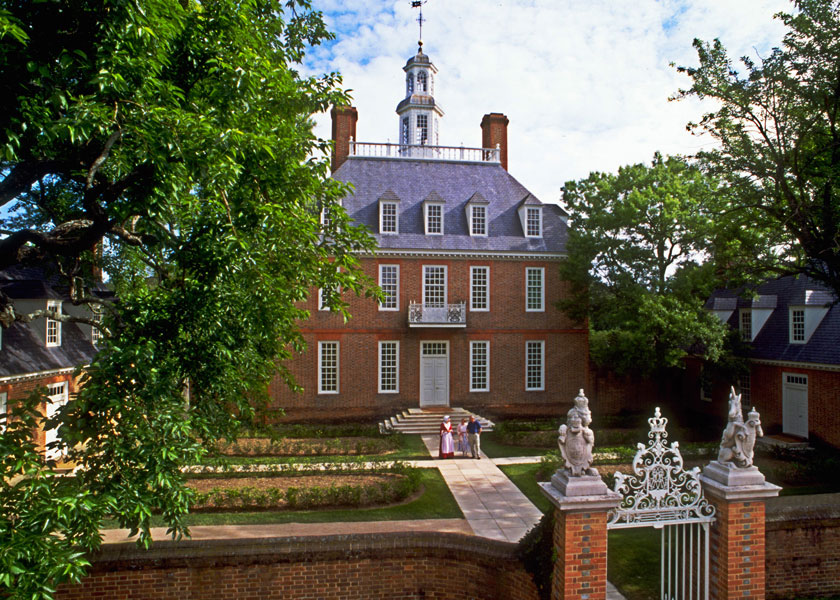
737,534
580,535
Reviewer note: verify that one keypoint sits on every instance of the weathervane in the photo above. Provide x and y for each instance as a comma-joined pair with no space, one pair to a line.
419,4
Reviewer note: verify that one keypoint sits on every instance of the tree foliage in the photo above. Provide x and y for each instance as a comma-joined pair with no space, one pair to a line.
778,147
177,137
638,250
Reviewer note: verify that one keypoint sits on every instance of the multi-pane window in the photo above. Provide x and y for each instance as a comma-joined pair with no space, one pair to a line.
434,219
389,282
3,408
421,82
480,288
434,286
327,367
322,300
95,332
534,289
746,325
409,84
405,132
478,221
388,217
53,326
58,397
744,390
797,325
534,363
389,367
479,366
533,222
423,129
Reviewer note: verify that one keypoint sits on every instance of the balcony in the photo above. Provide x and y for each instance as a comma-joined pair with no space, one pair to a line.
426,152
447,315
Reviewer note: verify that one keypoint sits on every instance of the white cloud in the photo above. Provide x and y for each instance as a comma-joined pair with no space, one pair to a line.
584,84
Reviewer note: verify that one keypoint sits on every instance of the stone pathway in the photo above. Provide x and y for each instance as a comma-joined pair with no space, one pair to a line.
493,506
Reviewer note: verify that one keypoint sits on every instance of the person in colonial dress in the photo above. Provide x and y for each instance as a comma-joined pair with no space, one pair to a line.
463,442
447,445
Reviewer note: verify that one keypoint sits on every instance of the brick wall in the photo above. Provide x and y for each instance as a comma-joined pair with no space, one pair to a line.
354,567
803,547
581,572
18,390
507,326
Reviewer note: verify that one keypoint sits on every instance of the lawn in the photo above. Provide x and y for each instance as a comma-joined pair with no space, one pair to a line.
494,449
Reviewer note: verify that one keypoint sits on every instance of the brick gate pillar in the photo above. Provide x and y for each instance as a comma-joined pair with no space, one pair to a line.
736,539
580,535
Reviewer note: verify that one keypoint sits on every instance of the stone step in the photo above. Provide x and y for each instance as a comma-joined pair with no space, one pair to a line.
423,421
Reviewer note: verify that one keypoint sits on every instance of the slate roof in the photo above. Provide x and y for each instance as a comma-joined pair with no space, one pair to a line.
773,341
23,352
455,182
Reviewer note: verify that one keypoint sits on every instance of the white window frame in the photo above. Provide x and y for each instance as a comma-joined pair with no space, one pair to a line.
473,297
793,323
427,210
745,389
745,318
96,316
528,365
422,82
382,206
322,367
485,367
4,410
533,210
426,268
483,209
52,334
396,367
321,305
405,132
422,129
396,291
528,288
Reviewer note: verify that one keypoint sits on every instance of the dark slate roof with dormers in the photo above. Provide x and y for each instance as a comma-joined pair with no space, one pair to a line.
23,352
773,340
455,182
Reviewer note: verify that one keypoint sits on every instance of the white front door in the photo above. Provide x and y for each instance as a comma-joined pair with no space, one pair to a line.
434,374
795,404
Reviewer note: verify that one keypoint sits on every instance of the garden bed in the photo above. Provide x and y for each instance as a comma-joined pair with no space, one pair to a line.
341,446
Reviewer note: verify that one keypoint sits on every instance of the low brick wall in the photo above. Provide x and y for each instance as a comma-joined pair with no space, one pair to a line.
390,566
803,546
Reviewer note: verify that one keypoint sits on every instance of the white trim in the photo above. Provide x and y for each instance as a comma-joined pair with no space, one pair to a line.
53,304
396,205
445,282
396,367
37,375
426,207
541,307
795,365
486,344
396,306
4,408
321,345
791,310
542,365
471,219
321,305
437,254
486,270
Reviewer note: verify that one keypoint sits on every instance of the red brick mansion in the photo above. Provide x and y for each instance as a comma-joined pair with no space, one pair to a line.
468,262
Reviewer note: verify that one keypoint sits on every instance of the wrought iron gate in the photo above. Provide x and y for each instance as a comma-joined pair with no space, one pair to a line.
661,494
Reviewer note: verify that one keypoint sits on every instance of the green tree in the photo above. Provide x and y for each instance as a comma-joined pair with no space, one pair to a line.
177,137
637,264
778,147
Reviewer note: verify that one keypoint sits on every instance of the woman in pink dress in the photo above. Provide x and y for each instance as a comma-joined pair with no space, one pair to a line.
447,446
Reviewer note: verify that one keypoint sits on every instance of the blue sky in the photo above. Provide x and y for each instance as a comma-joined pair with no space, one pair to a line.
585,84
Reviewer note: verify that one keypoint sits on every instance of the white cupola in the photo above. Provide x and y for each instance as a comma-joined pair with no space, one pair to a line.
419,115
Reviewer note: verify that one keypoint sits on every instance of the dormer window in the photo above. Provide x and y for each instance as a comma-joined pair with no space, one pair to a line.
745,325
533,221
797,325
53,326
478,220
389,215
434,218
422,86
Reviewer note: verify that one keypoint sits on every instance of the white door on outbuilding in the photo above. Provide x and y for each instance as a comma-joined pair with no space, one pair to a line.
795,404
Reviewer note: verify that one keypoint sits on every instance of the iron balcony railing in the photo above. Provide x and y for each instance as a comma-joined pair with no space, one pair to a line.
446,315
451,153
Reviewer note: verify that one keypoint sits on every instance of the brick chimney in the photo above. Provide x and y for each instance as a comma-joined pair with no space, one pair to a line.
343,128
494,131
